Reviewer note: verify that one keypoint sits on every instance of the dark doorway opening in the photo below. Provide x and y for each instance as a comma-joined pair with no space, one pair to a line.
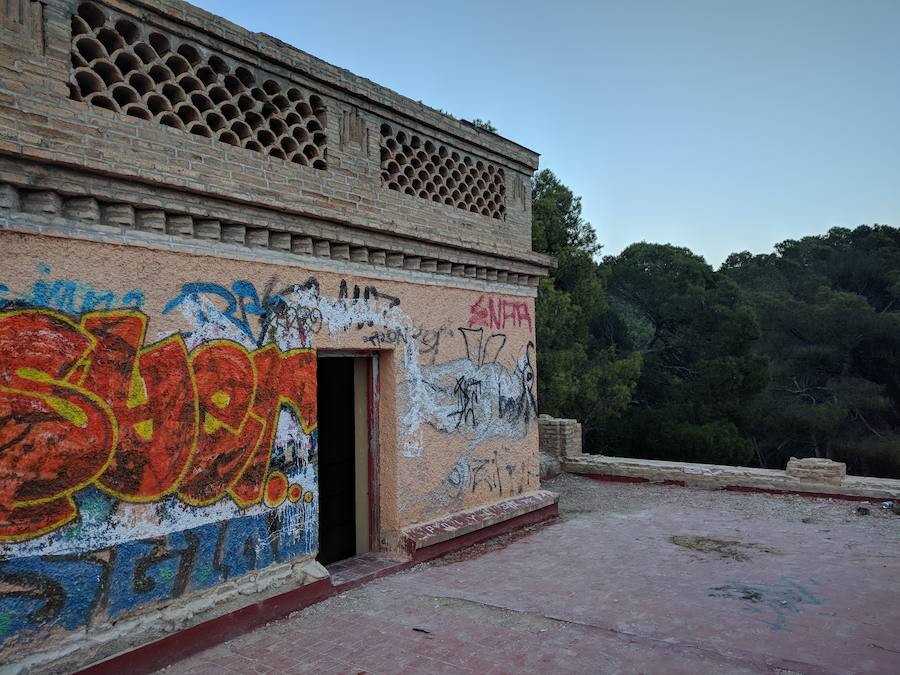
337,459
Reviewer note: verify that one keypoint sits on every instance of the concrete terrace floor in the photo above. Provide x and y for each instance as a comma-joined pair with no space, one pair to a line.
631,579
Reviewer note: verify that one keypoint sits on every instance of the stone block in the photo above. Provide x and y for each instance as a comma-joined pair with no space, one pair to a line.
120,215
322,248
177,223
257,236
150,219
559,438
280,241
815,470
208,228
9,197
82,208
340,251
359,254
301,244
230,233
41,201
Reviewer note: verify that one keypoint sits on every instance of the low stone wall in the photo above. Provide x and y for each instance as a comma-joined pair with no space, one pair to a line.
559,439
815,476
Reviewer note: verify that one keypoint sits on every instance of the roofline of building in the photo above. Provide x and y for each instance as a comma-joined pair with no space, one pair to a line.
276,51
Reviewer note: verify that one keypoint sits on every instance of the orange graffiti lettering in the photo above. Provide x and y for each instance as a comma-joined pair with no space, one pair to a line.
151,394
55,436
87,403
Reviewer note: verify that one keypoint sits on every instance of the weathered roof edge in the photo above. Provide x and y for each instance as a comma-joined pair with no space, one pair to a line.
288,56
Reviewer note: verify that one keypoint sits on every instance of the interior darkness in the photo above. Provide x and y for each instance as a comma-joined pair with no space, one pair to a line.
337,519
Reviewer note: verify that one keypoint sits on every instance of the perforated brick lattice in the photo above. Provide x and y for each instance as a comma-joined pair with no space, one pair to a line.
428,169
154,77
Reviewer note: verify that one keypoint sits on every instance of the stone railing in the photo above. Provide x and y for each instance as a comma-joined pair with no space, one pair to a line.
561,451
804,476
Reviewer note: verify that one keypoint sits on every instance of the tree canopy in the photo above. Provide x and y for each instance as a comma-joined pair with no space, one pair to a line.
830,310
791,353
696,334
582,374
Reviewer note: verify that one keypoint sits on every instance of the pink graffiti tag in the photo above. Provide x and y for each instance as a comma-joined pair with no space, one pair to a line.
498,313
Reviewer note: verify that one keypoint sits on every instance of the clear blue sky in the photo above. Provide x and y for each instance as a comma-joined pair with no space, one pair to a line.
717,125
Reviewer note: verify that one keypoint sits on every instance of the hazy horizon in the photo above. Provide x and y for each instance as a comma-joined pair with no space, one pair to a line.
717,126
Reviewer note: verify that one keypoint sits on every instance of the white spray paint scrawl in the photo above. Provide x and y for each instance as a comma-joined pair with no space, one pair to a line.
474,396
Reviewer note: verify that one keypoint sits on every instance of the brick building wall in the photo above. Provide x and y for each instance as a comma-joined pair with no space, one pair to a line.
190,216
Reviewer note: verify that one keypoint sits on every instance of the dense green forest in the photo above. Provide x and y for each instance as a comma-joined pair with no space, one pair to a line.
658,355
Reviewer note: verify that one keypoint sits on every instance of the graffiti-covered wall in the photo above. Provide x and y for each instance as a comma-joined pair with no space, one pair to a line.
158,417
191,213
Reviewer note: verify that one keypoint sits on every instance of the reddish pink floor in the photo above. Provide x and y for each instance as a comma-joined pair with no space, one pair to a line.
631,579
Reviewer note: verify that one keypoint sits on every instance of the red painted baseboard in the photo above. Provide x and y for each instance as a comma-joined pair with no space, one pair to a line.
816,495
155,655
613,478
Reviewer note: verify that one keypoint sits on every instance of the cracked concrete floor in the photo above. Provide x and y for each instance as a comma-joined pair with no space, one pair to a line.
631,579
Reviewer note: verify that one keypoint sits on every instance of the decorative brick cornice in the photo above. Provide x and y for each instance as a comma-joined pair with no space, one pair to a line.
135,209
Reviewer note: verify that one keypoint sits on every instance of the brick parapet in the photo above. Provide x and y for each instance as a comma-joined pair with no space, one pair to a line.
39,121
559,438
267,51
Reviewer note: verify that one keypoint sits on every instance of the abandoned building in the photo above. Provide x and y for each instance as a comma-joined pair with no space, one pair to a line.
257,315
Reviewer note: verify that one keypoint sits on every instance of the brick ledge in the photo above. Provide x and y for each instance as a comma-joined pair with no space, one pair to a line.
424,535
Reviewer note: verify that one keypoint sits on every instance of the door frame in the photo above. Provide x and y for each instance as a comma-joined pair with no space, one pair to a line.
370,448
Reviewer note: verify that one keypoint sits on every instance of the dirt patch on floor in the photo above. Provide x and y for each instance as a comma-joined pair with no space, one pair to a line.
735,550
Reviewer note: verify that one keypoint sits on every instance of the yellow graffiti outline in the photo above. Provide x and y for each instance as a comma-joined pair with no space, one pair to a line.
136,374
229,489
265,490
65,384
